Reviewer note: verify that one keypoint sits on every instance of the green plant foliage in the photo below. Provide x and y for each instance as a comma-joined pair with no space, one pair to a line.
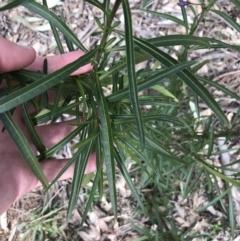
151,116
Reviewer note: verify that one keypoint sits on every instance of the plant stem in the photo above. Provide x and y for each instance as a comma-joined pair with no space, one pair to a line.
107,28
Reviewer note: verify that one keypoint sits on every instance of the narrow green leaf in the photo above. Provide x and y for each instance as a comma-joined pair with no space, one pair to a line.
55,33
138,154
107,142
57,99
79,169
68,42
218,174
28,92
48,153
84,143
219,87
231,212
31,130
166,16
219,44
46,115
198,66
23,146
227,18
150,81
214,201
128,179
185,18
94,186
218,193
26,76
186,76
57,38
96,4
121,119
13,4
156,145
236,117
55,21
131,70
83,95
192,184
175,40
99,158
90,138
211,3
236,3
164,91
211,141
122,64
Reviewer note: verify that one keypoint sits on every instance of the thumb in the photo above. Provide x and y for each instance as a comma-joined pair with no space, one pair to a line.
14,57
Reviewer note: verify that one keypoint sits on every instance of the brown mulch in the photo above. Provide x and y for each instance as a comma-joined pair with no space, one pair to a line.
22,27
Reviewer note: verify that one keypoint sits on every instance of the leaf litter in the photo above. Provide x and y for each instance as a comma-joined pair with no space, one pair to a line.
22,27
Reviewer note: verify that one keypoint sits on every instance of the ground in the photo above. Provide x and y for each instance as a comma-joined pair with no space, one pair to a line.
36,209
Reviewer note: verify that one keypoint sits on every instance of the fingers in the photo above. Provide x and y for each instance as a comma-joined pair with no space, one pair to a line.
53,166
58,61
14,57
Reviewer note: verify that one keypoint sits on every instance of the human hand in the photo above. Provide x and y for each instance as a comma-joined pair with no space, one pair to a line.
16,178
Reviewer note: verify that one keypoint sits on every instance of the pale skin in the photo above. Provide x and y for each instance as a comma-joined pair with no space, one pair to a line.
16,179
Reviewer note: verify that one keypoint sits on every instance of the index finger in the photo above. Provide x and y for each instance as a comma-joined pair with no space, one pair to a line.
14,56
58,61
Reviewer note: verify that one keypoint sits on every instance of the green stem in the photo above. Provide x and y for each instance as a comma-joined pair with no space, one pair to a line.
107,29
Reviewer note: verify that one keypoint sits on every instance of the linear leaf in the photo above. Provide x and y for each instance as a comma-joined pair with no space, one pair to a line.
99,158
139,57
158,147
120,119
166,16
150,81
79,169
236,3
211,141
55,32
219,44
231,212
186,76
31,130
13,4
46,114
139,155
227,18
43,84
219,87
55,21
107,143
218,174
69,43
175,40
84,143
128,179
57,99
96,4
131,70
214,201
48,153
94,186
164,91
23,146
57,38
26,76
